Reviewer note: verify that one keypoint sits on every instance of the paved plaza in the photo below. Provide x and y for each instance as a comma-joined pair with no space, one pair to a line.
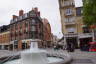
4,53
82,57
79,57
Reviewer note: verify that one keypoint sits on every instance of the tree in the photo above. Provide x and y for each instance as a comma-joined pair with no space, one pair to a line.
89,15
89,12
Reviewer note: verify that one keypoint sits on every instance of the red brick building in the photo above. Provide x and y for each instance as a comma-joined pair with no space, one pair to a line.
24,28
47,33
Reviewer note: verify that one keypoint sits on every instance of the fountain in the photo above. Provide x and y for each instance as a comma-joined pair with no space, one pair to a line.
34,55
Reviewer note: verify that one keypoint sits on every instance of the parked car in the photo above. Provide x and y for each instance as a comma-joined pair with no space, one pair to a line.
92,47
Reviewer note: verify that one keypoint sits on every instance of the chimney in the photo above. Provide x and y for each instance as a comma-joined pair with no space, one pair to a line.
21,12
14,16
36,9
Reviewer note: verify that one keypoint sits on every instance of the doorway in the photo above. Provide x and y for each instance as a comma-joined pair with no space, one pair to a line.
72,41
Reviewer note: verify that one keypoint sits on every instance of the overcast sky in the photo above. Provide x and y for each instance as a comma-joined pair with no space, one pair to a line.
49,9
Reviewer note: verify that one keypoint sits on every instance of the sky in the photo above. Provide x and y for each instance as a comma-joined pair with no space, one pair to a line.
49,9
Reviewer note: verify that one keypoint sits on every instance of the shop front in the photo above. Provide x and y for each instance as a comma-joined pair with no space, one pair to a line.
84,40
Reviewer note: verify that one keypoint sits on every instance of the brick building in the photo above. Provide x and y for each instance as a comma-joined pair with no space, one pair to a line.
24,28
47,33
4,37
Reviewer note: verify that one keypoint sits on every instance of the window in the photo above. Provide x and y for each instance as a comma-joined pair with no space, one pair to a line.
20,25
15,44
25,15
71,30
33,28
79,11
20,17
12,21
68,11
86,30
26,24
70,19
21,30
68,3
32,14
15,20
33,21
26,30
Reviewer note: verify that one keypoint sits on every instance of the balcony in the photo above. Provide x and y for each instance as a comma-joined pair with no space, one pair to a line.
68,14
67,3
70,23
85,35
71,35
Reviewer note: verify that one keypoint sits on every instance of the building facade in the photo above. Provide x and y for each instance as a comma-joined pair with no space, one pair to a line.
73,29
24,28
4,37
47,33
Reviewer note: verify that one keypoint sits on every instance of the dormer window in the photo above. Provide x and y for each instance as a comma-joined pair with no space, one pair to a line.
15,19
20,17
32,14
12,21
25,15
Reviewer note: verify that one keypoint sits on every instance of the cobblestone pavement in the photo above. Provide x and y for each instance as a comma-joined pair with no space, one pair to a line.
81,57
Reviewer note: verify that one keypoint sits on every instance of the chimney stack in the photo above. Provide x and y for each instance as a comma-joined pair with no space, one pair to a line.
21,12
36,9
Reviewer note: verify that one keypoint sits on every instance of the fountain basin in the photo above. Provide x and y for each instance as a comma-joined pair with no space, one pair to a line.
34,55
51,60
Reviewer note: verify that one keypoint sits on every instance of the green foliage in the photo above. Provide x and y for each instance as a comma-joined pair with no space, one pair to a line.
89,12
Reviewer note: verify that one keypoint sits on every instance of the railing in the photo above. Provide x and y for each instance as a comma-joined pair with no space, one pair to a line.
70,23
68,3
83,35
71,35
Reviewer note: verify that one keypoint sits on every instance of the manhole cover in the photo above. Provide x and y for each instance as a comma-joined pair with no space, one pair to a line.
82,61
